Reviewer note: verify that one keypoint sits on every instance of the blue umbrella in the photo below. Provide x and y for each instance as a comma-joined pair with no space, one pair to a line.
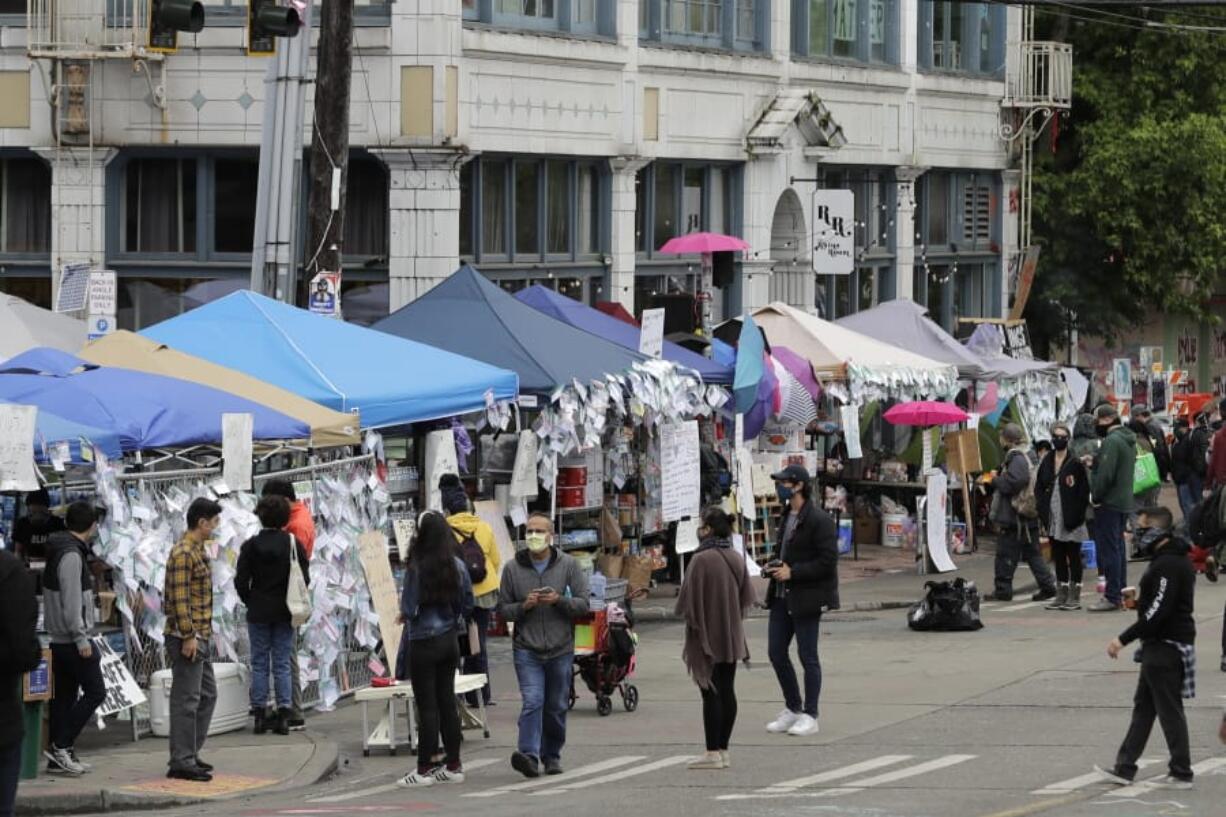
145,410
750,366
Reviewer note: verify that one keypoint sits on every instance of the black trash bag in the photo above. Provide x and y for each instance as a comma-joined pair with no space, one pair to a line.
946,606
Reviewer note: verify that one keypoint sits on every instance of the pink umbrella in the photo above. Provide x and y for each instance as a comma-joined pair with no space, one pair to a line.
703,243
925,413
799,368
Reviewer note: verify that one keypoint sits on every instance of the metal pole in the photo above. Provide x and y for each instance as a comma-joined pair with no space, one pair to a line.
708,285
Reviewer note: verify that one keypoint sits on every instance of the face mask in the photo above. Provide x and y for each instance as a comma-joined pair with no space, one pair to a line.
1059,443
1102,430
783,491
537,542
1148,538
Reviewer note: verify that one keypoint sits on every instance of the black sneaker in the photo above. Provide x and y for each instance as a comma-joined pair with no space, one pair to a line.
526,765
1044,595
200,764
553,765
998,596
195,774
1211,569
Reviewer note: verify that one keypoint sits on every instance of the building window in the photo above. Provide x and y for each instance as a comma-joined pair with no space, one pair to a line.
742,25
556,210
236,183
860,30
595,17
159,206
675,198
957,254
872,281
964,37
25,207
366,211
146,301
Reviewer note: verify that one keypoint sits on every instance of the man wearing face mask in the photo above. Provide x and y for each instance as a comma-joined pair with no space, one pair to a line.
804,583
1111,476
1217,457
1166,628
1019,534
543,591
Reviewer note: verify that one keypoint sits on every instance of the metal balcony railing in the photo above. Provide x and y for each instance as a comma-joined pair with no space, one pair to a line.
87,29
1042,76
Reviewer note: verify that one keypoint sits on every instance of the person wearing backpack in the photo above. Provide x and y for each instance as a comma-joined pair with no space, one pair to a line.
1015,512
478,549
1062,492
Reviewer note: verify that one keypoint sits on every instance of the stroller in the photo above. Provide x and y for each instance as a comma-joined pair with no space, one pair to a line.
606,665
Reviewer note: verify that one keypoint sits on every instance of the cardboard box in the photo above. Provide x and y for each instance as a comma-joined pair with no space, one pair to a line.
867,530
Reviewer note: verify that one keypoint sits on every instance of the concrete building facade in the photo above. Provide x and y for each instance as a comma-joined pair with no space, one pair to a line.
545,141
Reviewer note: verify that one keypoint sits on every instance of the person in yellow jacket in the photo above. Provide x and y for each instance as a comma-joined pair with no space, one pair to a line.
465,524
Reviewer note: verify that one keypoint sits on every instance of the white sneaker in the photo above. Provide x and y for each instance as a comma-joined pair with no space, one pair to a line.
444,775
59,761
416,780
805,725
86,766
1168,781
782,722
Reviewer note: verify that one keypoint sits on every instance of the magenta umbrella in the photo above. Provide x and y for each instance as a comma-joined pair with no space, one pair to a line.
926,413
799,368
703,243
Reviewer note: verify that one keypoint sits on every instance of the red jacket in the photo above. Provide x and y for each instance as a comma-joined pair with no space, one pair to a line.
1217,460
302,526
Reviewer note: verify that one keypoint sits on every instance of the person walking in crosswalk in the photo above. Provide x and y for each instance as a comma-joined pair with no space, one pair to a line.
1166,628
713,602
804,583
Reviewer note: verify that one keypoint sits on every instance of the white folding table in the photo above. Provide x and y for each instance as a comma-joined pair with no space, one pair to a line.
384,733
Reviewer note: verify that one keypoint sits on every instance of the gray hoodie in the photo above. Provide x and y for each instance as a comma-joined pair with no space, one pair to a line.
69,614
547,631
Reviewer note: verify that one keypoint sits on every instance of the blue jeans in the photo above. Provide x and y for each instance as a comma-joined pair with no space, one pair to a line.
1111,553
783,628
1190,494
271,643
545,688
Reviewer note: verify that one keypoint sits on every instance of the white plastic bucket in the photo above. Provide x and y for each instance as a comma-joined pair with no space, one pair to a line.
893,529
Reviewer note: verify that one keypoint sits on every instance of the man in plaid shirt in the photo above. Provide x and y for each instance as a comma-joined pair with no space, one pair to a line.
188,603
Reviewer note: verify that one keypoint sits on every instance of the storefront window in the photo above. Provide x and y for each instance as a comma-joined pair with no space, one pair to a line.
863,30
366,209
235,182
527,221
666,204
494,209
160,206
35,289
873,279
146,301
26,203
588,217
558,207
674,198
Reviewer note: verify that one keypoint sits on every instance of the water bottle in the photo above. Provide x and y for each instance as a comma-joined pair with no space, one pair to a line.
1101,586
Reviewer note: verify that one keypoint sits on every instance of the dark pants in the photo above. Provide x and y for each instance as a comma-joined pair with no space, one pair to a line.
480,664
432,666
719,707
544,685
1014,545
782,629
74,674
1191,492
1158,695
1067,558
10,771
1112,556
193,695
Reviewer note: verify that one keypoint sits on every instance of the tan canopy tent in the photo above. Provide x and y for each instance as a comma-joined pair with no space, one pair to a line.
131,351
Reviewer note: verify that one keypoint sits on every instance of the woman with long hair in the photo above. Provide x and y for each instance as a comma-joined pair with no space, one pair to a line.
435,605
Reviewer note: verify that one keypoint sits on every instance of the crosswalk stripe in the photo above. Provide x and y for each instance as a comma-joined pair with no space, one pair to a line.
899,774
1147,786
616,776
836,774
582,771
469,765
1081,781
1015,607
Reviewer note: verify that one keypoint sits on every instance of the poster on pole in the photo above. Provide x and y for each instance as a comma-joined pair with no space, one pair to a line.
680,494
72,294
325,297
236,445
1121,378
651,336
17,428
834,232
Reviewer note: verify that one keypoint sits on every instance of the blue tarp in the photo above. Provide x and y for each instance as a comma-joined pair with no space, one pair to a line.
339,365
598,323
52,429
470,315
145,410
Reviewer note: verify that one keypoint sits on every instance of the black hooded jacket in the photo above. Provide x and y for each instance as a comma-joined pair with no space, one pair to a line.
1164,599
19,647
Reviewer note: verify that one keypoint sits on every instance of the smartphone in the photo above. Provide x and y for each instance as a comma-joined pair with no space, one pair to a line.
543,591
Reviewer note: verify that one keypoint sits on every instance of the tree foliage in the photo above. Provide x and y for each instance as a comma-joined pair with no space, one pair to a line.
1130,206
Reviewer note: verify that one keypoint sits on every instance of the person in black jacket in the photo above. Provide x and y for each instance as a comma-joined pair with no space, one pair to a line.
20,652
262,580
804,583
1062,494
1167,631
1189,481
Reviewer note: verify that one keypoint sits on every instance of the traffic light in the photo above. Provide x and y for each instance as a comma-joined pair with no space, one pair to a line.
266,21
168,17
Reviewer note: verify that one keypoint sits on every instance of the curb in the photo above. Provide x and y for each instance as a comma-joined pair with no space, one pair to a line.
322,764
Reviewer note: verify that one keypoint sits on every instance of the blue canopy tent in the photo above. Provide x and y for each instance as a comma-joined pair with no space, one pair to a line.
144,410
388,380
469,314
50,429
598,323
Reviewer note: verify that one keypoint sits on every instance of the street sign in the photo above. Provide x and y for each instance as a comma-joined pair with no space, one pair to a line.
103,292
100,326
834,232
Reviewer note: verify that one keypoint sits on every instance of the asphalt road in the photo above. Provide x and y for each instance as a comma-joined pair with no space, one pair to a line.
1005,722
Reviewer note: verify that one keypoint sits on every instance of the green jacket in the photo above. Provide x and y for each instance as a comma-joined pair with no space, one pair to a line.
1113,472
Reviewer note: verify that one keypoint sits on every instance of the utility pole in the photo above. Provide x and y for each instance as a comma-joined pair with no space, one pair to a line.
330,137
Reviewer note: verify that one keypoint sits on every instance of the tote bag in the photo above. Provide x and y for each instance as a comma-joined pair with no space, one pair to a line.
297,599
1145,475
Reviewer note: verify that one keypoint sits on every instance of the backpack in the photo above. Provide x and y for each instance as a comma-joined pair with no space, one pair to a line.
946,606
471,555
1025,504
1205,521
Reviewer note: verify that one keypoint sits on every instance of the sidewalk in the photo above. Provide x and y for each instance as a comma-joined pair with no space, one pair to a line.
131,776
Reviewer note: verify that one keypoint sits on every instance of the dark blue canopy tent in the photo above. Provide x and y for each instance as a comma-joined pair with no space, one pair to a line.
469,315
623,334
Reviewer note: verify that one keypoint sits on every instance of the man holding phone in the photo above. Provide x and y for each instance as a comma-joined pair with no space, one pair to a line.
543,591
188,602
